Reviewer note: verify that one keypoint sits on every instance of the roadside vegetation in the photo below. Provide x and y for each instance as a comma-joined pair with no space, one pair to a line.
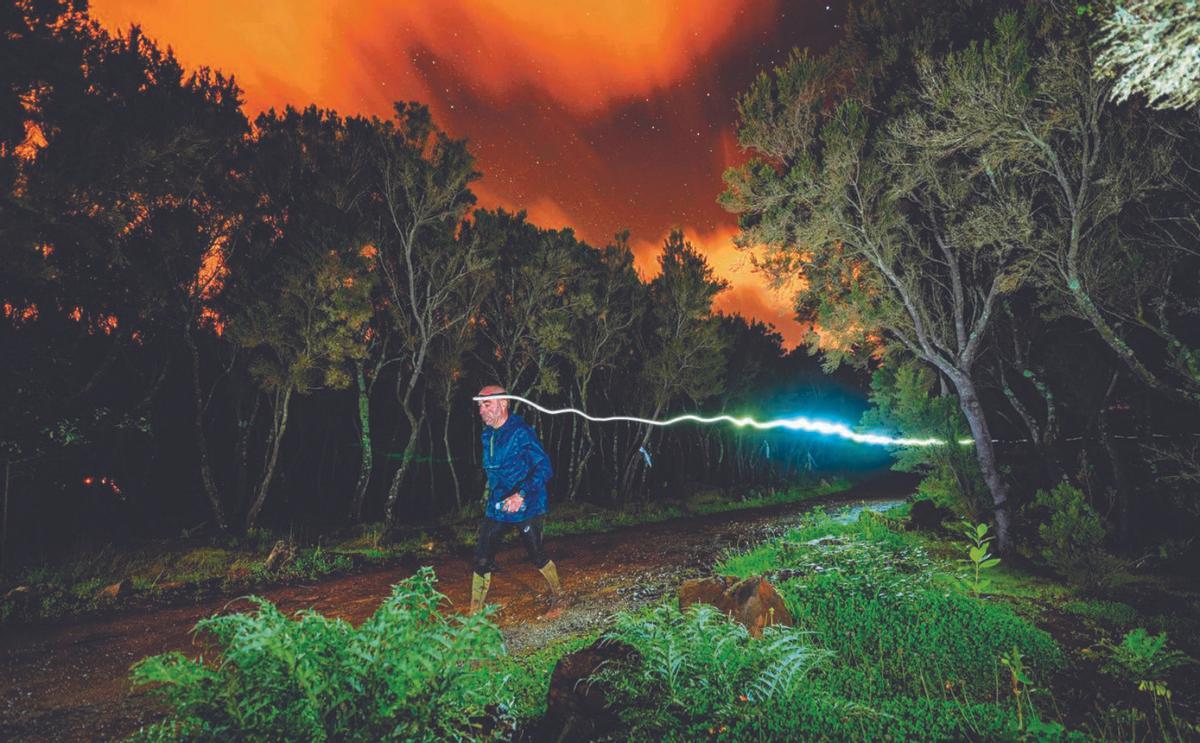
897,636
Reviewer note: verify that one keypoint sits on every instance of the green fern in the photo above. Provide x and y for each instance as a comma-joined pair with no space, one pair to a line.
700,673
793,659
407,673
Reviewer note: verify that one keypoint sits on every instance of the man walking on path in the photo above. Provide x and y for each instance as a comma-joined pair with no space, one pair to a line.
517,471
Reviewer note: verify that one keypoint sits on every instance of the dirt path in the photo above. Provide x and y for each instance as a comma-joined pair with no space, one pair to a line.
70,681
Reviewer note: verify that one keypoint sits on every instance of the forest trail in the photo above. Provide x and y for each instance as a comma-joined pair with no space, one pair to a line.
70,681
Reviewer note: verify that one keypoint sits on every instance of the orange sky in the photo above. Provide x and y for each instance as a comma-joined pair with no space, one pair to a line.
597,116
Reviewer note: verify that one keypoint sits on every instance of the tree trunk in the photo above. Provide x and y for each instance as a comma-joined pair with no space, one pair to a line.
367,462
985,452
637,456
572,450
433,499
722,469
1041,439
206,476
706,446
615,474
4,517
242,464
450,457
279,425
586,448
391,514
1120,481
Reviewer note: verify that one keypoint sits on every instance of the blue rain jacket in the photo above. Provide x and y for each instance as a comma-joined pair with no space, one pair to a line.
515,462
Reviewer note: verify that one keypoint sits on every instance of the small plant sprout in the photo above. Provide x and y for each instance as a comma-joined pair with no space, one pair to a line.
1014,662
978,558
1029,725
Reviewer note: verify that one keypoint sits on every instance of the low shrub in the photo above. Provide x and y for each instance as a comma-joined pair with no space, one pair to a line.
1143,658
408,673
308,565
907,657
1071,538
699,672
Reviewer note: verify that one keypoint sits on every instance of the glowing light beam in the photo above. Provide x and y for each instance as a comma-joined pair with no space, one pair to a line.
796,423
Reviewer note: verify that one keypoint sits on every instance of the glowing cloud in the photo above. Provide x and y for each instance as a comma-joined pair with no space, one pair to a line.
585,55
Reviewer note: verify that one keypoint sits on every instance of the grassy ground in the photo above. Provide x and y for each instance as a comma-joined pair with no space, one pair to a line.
162,570
889,644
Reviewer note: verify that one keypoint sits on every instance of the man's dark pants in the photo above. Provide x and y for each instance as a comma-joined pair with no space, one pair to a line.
491,532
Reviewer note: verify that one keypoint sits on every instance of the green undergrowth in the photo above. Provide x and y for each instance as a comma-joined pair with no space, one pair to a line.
896,637
1114,614
158,569
917,653
409,672
885,647
892,641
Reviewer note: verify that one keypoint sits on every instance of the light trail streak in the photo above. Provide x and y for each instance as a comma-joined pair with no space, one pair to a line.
795,423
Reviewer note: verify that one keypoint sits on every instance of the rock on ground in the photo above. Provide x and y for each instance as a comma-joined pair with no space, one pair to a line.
753,602
577,705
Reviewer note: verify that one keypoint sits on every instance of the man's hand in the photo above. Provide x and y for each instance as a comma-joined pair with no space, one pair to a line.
513,503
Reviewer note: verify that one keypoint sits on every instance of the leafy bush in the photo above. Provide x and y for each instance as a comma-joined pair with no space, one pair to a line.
910,660
701,677
1143,658
904,399
314,564
872,595
942,485
408,673
1072,537
700,673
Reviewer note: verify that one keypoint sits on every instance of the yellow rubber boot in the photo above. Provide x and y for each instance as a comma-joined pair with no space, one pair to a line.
479,589
550,573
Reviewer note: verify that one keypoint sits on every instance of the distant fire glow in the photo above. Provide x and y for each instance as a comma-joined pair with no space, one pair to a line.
795,423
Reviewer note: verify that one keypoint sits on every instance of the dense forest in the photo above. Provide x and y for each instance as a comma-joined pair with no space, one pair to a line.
222,323
216,323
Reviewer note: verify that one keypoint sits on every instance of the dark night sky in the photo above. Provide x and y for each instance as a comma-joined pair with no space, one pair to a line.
599,117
